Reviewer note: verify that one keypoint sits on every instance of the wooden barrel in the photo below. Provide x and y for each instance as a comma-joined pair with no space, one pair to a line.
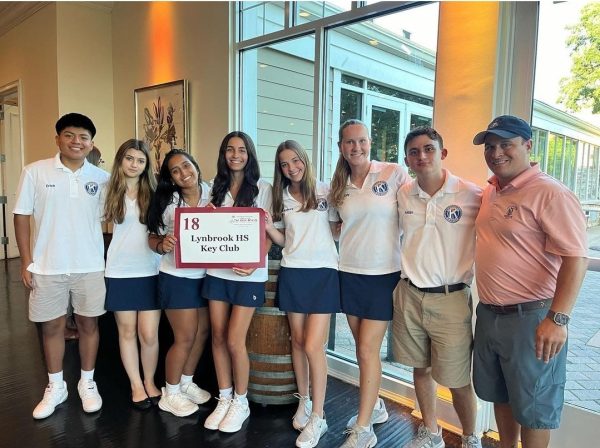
272,379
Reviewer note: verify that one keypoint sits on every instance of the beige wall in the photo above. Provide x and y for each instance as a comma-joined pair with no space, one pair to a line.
464,87
28,54
160,42
85,70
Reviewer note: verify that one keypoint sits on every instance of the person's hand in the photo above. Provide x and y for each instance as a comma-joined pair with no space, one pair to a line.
168,243
268,221
211,205
243,272
549,340
27,278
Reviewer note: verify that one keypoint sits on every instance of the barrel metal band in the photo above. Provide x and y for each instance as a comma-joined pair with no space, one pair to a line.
270,311
271,359
277,375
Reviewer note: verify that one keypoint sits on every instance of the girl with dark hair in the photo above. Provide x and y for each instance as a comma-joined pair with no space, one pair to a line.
308,285
364,194
132,268
233,294
179,290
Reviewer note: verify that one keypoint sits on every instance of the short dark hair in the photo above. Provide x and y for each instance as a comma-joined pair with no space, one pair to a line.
423,130
77,121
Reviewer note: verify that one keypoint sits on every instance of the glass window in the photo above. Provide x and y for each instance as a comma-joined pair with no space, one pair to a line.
278,97
308,11
350,105
418,120
260,18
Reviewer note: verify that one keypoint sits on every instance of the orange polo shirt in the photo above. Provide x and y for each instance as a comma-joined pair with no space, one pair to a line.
522,231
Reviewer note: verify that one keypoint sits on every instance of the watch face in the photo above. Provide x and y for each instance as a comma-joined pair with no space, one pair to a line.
561,319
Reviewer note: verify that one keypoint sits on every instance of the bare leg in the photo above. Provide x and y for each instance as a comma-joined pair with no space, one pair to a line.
426,391
508,428
299,360
368,336
535,438
148,322
128,346
236,344
54,349
198,348
184,324
465,405
219,322
89,337
317,327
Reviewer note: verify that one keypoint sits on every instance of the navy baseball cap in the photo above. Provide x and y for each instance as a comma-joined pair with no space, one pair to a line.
505,126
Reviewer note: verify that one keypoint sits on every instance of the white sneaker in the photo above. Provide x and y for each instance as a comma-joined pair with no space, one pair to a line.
216,417
237,414
194,393
177,404
379,415
302,413
426,439
312,432
54,395
90,397
470,441
359,438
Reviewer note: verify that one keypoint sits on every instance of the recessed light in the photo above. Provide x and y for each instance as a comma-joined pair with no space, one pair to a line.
304,14
373,42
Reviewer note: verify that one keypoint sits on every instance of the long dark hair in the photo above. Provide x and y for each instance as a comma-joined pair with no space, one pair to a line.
249,188
165,189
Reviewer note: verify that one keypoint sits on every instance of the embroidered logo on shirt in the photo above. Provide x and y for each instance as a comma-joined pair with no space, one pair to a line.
452,213
322,205
91,188
380,188
510,211
50,185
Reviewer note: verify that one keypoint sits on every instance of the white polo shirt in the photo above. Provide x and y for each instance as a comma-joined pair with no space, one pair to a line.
438,242
167,262
264,200
129,255
308,239
370,236
67,217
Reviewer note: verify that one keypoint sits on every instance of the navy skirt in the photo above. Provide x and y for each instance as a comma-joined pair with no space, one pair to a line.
131,294
179,293
250,294
309,291
368,296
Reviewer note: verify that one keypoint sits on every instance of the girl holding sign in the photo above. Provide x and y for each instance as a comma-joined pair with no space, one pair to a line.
308,286
132,268
233,294
364,194
179,290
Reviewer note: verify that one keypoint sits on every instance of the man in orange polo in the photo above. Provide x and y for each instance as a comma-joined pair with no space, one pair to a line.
530,261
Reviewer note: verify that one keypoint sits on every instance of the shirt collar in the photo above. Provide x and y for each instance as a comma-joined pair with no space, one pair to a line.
451,185
60,166
520,179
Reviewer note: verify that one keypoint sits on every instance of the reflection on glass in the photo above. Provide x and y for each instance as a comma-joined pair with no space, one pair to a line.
385,128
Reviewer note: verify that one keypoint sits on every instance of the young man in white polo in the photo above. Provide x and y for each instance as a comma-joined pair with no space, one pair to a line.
432,329
67,261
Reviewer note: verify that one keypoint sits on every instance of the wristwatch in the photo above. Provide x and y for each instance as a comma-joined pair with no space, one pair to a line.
560,319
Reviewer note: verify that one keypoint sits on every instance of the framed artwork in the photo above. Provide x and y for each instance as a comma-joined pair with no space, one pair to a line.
161,118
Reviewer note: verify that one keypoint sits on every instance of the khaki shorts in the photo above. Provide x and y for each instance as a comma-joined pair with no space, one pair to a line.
51,295
434,330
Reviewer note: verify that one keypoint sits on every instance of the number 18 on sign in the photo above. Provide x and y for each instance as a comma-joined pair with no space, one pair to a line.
220,238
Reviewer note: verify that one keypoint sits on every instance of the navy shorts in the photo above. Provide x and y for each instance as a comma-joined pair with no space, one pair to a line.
132,294
250,294
506,370
368,296
307,291
179,293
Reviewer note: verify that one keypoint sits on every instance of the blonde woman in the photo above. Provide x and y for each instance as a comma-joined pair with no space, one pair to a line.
364,193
